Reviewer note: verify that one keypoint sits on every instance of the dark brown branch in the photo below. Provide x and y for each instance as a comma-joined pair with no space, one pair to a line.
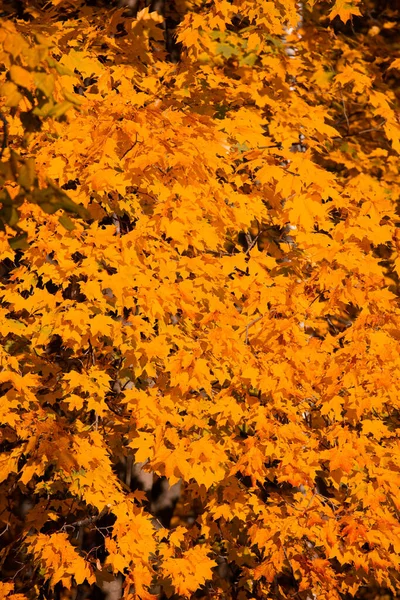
5,135
356,133
129,149
89,520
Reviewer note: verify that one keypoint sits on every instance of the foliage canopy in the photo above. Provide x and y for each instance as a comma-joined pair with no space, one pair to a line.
199,272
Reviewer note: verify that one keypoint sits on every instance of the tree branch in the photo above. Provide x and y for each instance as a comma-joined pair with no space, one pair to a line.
5,134
89,520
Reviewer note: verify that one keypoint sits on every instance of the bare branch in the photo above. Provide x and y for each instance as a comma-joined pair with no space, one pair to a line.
356,133
345,113
88,520
5,135
253,322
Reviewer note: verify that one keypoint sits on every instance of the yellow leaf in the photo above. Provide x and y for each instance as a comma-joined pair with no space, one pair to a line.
395,64
144,445
10,91
21,76
333,406
345,9
190,572
376,428
45,83
177,536
60,559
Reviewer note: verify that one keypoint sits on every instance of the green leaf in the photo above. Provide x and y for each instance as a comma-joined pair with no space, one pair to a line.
65,202
9,214
14,217
275,41
19,242
66,222
5,197
49,207
242,147
45,83
72,98
226,50
215,34
53,198
27,174
61,70
45,199
60,109
248,60
43,109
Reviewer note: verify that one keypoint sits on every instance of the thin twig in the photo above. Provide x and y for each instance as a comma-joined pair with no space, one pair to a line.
128,473
345,113
253,243
19,570
290,564
279,145
129,149
250,324
339,137
249,241
311,499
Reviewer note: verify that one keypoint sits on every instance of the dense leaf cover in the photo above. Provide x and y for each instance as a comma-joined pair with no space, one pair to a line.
221,304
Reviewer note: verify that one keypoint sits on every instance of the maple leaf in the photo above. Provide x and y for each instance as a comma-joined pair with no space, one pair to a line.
345,10
189,572
228,313
7,591
56,553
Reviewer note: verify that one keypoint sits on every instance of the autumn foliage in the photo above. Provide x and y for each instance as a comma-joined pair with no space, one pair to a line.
199,272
